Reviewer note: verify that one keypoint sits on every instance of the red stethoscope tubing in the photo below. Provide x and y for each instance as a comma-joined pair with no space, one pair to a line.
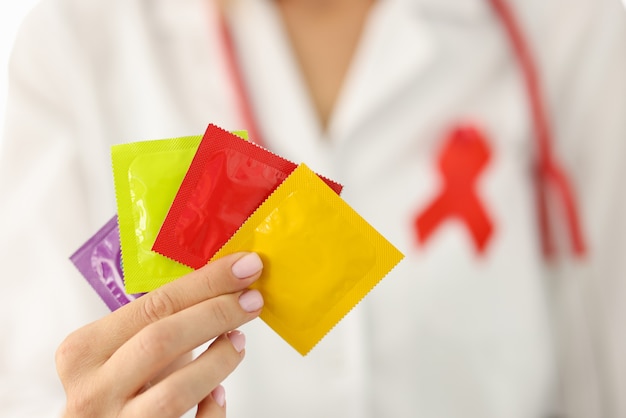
549,173
241,95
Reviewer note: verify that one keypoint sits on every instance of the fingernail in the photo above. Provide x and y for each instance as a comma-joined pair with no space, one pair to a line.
237,339
251,300
247,265
219,395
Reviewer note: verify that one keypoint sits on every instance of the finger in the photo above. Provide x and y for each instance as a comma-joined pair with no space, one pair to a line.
187,387
172,367
229,274
144,356
214,405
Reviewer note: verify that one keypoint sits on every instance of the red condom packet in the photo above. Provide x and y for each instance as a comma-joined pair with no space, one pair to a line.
227,181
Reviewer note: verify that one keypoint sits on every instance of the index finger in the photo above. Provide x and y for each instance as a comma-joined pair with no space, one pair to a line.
228,274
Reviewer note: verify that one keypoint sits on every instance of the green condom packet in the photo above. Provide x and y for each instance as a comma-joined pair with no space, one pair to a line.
147,176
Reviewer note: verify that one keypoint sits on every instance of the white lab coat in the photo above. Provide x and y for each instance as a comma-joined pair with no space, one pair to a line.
450,333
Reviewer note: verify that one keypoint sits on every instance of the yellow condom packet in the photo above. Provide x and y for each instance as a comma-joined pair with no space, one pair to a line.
320,257
147,176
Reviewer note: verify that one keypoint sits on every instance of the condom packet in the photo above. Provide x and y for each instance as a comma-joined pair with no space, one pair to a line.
320,258
147,175
227,180
99,261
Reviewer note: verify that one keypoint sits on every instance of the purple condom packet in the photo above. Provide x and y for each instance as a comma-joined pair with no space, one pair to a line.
100,261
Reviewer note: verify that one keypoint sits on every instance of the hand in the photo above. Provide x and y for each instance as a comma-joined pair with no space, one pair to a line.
127,364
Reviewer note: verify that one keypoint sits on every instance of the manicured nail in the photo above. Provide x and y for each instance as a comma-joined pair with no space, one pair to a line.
251,300
247,266
219,395
237,339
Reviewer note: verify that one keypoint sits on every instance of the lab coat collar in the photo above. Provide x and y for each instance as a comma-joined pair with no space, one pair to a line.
398,44
275,88
459,11
395,47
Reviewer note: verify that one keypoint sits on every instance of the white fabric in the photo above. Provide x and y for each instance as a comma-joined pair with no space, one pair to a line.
449,333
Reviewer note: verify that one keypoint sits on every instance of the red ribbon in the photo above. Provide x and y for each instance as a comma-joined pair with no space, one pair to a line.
463,158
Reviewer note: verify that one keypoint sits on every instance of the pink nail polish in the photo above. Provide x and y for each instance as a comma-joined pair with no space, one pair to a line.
219,396
247,266
237,339
251,300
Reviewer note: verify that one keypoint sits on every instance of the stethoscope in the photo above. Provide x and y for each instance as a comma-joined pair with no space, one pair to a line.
551,179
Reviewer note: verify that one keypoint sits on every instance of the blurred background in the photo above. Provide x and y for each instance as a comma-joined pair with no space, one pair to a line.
11,14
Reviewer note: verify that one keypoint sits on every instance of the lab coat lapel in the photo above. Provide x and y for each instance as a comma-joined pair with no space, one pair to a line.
396,46
275,87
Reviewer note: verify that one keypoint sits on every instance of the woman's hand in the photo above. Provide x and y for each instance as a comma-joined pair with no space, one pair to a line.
127,363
